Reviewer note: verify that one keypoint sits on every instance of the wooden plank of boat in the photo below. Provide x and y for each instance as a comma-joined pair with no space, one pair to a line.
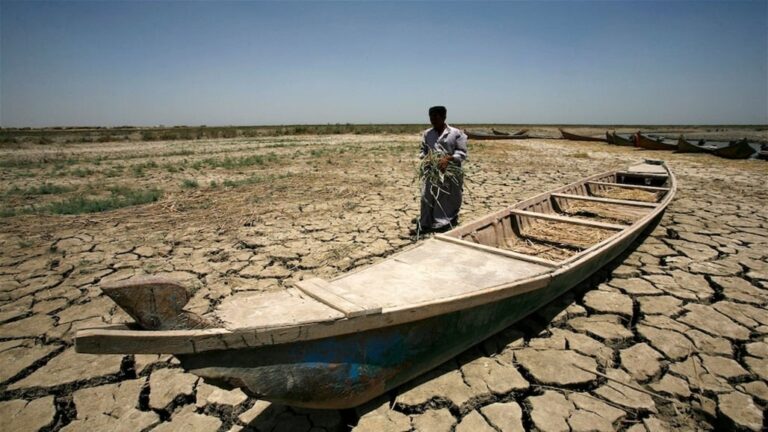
567,219
629,186
574,137
319,351
608,137
491,136
651,144
737,150
320,290
604,200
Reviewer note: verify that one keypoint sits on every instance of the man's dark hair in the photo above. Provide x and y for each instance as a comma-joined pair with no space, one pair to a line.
438,110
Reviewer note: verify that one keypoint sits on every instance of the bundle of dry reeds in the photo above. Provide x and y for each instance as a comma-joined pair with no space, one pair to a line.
566,234
627,194
600,211
429,172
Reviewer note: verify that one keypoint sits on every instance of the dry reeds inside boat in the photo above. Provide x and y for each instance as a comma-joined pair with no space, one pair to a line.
542,250
578,236
627,194
600,211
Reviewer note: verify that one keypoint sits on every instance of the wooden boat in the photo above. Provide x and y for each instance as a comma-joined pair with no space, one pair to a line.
736,150
621,141
574,137
494,136
652,144
685,146
498,132
615,139
341,342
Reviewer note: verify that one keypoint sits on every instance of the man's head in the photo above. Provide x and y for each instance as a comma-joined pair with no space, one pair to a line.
437,115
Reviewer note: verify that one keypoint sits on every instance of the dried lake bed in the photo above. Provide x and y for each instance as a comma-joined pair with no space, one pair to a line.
681,318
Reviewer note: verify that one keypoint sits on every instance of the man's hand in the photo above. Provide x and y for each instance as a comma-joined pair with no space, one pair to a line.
443,163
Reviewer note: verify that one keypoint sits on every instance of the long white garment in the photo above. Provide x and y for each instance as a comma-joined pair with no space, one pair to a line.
440,203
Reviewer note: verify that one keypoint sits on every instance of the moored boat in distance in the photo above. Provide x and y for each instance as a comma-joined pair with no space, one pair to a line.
341,342
736,150
494,135
574,137
621,141
685,146
652,144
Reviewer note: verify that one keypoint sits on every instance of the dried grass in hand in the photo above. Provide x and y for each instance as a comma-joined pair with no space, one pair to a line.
429,172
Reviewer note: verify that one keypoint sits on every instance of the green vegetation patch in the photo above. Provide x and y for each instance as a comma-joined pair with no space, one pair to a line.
119,197
58,162
139,169
43,189
190,184
236,162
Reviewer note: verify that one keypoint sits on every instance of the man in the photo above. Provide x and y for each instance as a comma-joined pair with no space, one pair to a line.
440,203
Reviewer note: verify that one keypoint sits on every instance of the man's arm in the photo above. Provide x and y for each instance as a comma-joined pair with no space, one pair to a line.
460,152
424,146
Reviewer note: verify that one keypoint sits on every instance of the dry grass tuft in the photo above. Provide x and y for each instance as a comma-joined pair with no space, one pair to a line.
603,212
567,234
627,194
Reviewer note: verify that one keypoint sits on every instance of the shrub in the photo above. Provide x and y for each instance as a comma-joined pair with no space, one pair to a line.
189,184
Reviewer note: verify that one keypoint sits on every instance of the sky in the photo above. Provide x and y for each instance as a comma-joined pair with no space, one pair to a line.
148,63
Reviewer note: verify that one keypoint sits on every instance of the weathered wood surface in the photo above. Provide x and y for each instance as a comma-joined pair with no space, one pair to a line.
322,291
155,303
605,200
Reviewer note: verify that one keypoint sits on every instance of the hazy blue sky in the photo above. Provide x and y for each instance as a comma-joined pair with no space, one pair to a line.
215,63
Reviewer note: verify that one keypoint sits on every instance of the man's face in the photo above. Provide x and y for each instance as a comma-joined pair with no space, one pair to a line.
436,119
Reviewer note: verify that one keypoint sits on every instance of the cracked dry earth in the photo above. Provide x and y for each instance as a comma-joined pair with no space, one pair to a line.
680,318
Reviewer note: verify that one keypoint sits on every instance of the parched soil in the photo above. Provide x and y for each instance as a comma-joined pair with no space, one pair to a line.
676,328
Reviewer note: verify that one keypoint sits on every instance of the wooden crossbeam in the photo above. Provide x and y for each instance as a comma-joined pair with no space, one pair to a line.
606,200
570,220
319,290
629,186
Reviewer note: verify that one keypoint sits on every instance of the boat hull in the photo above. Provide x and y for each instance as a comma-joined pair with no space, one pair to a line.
621,141
346,371
574,137
737,150
649,144
684,146
480,136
